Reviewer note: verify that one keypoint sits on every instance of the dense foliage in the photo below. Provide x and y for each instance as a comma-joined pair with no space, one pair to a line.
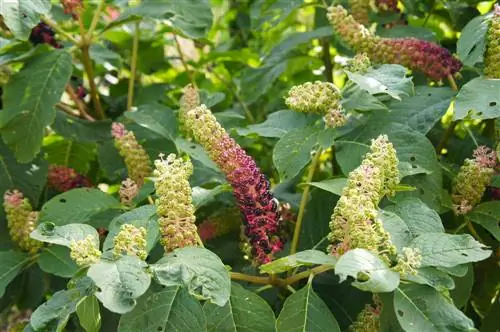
249,165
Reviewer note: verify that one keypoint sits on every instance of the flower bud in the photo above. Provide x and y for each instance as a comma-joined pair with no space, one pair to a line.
492,55
472,180
174,204
130,241
136,158
250,186
63,178
85,252
21,220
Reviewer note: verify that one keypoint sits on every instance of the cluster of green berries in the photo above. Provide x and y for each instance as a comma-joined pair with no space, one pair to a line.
130,241
319,97
472,180
21,220
189,100
136,158
85,252
492,55
355,222
360,63
369,318
174,204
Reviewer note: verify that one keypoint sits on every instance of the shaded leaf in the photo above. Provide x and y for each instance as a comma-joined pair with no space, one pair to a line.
12,263
89,314
202,196
303,258
68,153
335,186
487,214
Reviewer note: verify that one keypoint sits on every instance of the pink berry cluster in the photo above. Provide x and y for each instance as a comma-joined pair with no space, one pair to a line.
250,187
472,180
433,60
63,178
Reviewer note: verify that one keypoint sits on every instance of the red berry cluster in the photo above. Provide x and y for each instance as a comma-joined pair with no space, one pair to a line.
43,34
63,178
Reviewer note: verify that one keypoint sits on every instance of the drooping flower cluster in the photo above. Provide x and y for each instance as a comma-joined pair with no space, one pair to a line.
472,179
318,97
433,60
189,100
43,34
219,224
369,318
136,158
15,319
21,220
174,205
130,241
85,252
250,187
63,178
492,55
354,222
128,191
72,7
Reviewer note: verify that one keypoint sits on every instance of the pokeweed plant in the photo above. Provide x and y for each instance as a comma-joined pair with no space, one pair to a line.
249,165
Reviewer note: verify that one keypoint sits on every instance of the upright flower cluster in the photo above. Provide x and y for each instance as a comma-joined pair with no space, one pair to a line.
318,97
470,183
433,60
63,178
85,252
354,222
43,34
219,224
250,187
174,205
136,158
189,100
21,220
368,319
130,241
492,55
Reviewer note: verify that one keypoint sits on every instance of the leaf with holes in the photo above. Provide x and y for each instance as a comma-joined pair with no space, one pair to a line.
472,42
478,99
369,272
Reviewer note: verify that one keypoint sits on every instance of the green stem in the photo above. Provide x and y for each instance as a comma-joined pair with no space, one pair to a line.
58,29
133,67
95,19
94,94
303,202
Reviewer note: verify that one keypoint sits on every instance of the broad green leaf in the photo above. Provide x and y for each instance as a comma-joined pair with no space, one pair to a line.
441,249
479,99
305,311
433,277
419,218
293,151
28,178
386,79
463,288
199,269
303,258
350,154
60,151
157,118
267,14
144,216
421,308
170,309
54,314
202,196
89,314
335,186
211,99
245,312
120,282
29,99
368,270
12,262
193,18
102,55
21,16
472,42
195,151
82,131
421,111
487,215
277,124
398,229
82,205
356,99
65,234
56,260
